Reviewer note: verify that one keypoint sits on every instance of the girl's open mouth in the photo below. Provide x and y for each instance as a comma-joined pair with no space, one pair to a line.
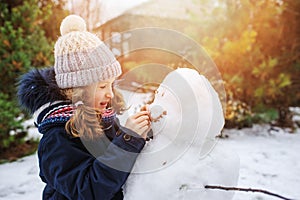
104,104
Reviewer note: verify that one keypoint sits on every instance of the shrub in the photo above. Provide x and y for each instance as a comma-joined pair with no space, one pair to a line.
238,115
11,129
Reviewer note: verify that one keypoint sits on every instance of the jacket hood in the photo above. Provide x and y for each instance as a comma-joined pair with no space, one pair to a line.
38,87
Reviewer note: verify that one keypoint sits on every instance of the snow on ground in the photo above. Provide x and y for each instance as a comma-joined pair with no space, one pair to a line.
270,160
19,180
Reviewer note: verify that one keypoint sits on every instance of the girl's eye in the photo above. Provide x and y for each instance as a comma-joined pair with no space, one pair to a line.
102,86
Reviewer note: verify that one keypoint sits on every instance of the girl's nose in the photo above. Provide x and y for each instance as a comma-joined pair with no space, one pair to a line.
109,94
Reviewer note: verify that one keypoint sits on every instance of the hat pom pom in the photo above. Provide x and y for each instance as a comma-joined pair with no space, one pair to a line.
72,23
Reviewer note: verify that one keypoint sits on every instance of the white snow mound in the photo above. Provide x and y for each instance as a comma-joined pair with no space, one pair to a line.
184,155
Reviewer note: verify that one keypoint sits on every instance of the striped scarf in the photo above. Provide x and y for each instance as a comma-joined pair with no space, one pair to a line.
63,112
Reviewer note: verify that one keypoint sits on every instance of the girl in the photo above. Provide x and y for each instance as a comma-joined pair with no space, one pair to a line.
84,152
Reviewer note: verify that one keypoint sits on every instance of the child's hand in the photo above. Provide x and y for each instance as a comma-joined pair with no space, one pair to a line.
139,122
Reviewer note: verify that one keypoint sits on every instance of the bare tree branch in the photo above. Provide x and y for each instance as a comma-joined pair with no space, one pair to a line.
246,190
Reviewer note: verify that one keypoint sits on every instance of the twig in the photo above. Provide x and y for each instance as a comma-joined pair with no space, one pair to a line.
246,190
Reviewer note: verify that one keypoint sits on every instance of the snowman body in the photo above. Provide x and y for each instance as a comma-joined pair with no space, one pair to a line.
184,154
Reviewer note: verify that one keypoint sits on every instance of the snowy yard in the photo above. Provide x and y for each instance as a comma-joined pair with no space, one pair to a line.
270,160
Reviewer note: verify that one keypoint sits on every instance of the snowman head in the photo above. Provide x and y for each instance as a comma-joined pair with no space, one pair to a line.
186,110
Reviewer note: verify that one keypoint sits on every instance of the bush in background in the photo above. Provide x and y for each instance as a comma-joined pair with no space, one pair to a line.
11,128
23,45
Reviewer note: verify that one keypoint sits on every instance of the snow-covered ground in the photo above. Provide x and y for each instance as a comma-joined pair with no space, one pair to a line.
270,160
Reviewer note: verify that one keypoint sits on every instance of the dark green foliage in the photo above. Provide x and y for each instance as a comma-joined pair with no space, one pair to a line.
23,45
267,115
10,126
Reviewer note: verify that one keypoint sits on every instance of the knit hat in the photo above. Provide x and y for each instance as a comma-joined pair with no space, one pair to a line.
81,58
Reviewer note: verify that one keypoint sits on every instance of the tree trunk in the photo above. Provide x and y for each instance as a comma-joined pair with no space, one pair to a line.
285,118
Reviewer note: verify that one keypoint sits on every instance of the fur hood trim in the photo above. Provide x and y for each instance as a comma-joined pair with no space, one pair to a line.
38,87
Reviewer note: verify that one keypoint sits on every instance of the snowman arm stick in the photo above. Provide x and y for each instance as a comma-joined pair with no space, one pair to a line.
246,190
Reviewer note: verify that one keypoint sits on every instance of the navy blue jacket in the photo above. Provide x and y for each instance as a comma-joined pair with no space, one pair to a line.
73,168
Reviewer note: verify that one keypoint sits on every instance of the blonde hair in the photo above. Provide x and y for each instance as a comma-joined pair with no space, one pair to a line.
86,120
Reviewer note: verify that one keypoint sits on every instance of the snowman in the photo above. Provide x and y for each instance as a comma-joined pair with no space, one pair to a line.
184,154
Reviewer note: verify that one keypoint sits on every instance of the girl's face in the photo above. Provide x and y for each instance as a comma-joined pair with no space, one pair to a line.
104,94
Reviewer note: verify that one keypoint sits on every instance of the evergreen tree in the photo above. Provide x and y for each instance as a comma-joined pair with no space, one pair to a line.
23,45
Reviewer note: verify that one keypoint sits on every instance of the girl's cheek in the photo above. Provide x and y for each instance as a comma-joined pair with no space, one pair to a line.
101,94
